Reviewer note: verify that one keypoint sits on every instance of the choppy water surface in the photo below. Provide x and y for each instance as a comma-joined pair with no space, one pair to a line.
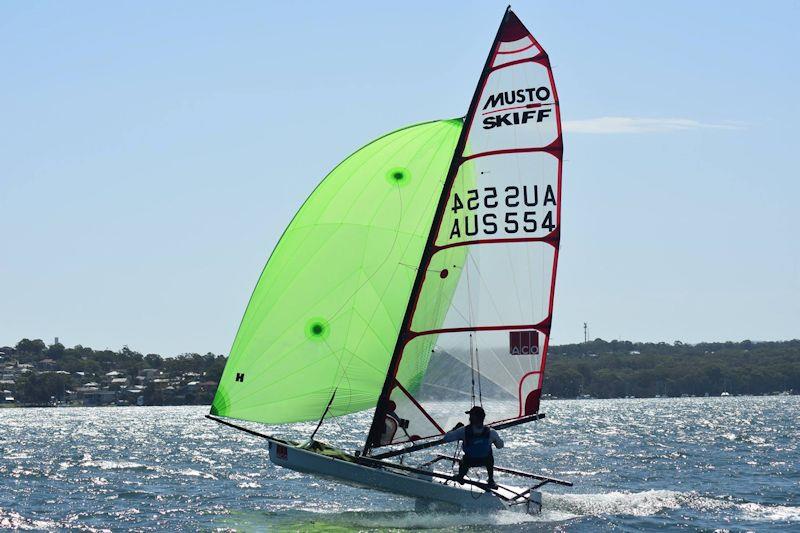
684,464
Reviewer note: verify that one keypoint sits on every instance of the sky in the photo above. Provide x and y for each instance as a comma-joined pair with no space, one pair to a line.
151,155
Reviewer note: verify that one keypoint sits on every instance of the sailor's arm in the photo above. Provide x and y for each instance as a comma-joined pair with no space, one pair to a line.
496,440
453,435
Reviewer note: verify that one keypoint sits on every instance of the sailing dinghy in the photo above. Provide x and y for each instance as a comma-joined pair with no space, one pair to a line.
417,279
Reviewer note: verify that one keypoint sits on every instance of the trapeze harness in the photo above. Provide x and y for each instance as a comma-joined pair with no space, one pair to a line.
477,445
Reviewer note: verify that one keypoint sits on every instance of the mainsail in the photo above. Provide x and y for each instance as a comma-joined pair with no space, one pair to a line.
496,230
421,269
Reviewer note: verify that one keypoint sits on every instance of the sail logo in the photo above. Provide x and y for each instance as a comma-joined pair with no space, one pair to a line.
523,342
520,96
526,105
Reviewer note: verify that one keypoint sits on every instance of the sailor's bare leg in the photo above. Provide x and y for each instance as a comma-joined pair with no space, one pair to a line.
462,470
490,469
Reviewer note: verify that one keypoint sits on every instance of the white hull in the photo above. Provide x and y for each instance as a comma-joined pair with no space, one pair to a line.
430,493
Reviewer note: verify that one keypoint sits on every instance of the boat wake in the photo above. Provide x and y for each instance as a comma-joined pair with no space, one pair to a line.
558,508
653,502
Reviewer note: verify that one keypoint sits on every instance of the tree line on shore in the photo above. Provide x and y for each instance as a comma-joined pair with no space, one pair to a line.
601,369
614,369
68,368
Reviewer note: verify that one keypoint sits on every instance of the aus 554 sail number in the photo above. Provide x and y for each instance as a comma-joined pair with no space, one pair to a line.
508,209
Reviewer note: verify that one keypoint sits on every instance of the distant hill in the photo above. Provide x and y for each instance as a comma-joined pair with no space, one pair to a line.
615,369
609,369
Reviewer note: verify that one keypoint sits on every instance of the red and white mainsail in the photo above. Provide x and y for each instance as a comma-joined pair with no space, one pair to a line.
477,327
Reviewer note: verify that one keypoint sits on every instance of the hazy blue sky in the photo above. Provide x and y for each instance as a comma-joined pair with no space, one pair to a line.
151,154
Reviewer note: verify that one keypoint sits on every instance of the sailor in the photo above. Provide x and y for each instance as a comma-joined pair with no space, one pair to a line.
478,440
391,423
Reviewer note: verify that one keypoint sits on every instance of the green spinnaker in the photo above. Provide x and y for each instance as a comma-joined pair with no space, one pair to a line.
327,309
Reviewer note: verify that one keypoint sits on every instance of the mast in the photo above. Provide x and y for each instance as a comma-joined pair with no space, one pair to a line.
455,163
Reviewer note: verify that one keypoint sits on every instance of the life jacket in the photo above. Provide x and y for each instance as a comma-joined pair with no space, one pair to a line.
389,430
477,444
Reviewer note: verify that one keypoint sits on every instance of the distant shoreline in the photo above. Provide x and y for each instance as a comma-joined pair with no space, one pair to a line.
33,373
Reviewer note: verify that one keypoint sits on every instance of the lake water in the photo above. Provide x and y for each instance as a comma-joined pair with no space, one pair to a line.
681,464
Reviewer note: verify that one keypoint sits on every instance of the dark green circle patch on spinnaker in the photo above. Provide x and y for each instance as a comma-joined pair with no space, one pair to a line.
317,329
398,176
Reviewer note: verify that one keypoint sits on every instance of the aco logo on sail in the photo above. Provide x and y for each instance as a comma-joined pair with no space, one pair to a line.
523,342
527,105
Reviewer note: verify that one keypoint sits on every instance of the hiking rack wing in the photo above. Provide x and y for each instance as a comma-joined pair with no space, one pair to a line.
544,479
437,442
